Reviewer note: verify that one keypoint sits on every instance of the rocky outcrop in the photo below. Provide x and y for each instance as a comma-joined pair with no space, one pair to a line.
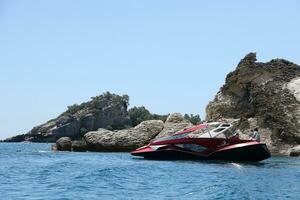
123,140
104,111
106,140
175,122
79,145
130,138
295,151
64,144
264,95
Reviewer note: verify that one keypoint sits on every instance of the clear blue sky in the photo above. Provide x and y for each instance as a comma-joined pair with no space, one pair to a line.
166,55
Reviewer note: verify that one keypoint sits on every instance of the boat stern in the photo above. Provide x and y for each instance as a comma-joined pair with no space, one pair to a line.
250,151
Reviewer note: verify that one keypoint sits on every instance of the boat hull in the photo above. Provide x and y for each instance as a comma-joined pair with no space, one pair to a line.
256,152
238,152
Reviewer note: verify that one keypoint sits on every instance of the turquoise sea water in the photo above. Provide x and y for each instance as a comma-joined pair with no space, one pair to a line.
31,171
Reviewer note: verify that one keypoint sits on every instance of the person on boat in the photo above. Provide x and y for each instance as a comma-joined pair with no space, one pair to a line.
255,135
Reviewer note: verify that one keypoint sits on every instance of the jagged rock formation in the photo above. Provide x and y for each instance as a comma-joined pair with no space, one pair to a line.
265,95
126,139
104,111
175,122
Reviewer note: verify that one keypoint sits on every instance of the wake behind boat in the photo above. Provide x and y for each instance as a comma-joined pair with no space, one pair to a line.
211,141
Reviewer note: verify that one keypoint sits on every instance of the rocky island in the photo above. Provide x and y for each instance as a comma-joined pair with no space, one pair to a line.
255,94
104,111
264,95
105,124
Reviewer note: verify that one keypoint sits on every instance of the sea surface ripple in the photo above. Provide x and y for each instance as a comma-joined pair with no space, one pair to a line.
32,171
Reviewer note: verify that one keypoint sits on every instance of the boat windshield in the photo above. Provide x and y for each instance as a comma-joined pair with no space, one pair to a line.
216,130
210,130
172,137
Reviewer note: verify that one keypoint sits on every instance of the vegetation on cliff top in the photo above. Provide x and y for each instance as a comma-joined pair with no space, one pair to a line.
136,114
99,102
140,114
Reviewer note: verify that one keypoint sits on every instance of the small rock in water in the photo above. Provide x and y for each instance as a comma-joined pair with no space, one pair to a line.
295,151
64,144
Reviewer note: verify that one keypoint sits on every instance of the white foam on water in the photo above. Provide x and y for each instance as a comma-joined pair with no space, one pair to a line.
237,165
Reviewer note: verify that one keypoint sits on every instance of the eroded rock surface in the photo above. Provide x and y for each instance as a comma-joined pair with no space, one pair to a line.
264,95
123,140
64,144
131,138
79,145
175,122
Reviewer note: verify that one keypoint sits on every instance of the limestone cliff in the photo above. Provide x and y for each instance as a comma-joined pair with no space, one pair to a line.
104,111
266,95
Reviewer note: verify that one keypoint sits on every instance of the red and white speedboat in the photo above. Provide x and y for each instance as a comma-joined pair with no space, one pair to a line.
211,141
